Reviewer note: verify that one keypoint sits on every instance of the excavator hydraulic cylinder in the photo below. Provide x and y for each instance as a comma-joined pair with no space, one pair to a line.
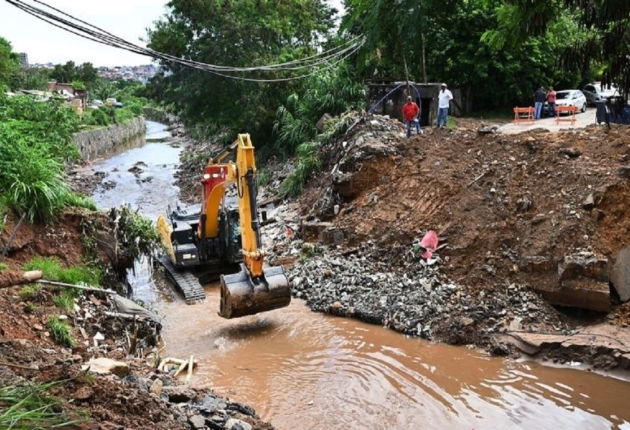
242,296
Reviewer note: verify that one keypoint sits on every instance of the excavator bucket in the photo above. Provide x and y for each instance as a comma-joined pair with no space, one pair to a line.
242,296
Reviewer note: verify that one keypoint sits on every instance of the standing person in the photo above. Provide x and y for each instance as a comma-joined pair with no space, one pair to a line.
551,100
410,112
444,102
539,99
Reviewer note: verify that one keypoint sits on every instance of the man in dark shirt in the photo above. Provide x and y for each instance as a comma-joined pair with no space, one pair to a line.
539,99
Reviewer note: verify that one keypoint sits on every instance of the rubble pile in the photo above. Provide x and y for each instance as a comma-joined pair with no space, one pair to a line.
414,298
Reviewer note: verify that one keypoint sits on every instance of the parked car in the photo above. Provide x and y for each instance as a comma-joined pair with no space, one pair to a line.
595,93
97,103
568,98
118,104
110,102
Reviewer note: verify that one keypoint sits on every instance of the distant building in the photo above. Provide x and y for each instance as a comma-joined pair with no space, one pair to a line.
23,59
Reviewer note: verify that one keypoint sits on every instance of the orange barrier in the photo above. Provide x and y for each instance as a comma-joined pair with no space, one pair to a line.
523,115
571,110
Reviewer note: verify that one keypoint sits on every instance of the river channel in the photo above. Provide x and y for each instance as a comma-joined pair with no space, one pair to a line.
302,370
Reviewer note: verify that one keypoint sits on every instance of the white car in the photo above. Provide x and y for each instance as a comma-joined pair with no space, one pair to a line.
595,93
571,98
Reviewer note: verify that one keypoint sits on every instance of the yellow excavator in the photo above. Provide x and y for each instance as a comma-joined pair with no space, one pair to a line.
224,232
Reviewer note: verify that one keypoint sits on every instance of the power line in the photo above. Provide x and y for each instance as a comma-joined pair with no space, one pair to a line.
326,59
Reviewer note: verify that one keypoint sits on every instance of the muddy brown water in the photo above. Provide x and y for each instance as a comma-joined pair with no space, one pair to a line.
302,370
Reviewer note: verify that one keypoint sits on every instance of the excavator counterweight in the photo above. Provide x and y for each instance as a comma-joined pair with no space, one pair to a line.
223,233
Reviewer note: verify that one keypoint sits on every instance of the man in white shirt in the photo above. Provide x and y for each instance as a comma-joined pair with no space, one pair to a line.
444,99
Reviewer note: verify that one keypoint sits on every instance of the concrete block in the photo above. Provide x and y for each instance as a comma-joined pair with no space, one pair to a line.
580,293
585,265
620,274
537,264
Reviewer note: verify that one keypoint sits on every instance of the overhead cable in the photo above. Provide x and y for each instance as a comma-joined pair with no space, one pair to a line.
326,59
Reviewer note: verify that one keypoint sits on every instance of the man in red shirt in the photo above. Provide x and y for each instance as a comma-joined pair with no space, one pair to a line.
410,112
551,102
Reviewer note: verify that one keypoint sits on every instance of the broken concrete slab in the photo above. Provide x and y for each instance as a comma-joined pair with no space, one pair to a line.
620,274
581,293
583,265
594,343
537,264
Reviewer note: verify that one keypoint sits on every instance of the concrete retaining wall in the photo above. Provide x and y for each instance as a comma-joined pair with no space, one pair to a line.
94,143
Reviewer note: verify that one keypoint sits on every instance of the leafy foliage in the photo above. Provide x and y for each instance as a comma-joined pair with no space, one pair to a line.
243,33
9,64
601,35
137,235
85,73
35,143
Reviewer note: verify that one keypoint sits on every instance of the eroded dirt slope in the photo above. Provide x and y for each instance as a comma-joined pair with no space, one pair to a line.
494,198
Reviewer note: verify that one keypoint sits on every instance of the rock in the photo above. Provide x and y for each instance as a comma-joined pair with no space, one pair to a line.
537,264
84,393
589,202
156,387
583,265
570,152
197,422
179,394
465,321
234,424
38,327
620,274
105,365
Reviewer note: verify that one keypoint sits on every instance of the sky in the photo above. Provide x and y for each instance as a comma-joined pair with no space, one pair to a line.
43,43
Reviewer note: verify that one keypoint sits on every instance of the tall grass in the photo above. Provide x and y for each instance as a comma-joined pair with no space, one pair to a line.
79,201
53,271
60,332
28,406
35,143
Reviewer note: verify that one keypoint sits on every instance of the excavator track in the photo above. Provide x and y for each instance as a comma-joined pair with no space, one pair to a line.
186,282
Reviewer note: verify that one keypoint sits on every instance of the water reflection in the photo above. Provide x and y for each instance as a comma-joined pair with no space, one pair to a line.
299,367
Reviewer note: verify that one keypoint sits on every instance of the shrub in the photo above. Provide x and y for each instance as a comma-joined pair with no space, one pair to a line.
306,164
137,235
97,117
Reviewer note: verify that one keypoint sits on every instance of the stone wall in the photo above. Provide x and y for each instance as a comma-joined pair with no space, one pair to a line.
95,143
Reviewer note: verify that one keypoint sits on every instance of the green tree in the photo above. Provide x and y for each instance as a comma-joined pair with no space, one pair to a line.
236,33
31,78
603,40
9,63
64,73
